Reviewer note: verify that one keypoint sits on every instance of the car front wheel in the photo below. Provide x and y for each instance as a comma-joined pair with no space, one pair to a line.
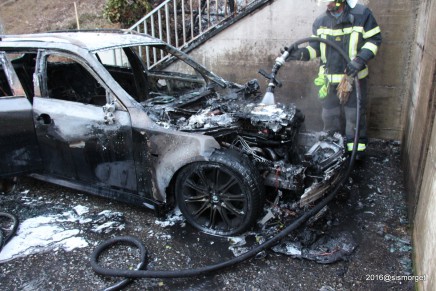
222,196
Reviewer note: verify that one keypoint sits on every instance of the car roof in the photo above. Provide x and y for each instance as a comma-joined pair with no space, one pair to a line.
95,40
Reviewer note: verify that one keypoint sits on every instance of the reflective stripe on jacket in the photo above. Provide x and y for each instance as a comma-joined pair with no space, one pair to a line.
356,31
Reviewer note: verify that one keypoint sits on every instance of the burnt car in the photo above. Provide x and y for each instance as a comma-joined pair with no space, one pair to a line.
89,111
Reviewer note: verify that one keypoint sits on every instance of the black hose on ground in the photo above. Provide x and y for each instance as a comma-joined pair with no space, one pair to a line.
221,265
4,239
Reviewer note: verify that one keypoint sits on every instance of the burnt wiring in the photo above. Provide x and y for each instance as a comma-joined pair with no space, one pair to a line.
241,144
141,273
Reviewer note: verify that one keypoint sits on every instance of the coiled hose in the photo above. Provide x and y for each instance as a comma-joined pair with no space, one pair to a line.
4,239
140,273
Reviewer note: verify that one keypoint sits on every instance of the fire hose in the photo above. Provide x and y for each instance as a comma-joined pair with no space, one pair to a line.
140,271
5,238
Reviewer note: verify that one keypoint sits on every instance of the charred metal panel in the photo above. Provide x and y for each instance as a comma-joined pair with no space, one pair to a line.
143,163
161,152
76,143
19,150
325,161
101,190
173,150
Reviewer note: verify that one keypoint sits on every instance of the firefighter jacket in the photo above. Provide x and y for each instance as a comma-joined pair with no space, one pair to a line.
355,31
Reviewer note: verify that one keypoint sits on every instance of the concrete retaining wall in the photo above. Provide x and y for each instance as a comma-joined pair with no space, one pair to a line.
419,146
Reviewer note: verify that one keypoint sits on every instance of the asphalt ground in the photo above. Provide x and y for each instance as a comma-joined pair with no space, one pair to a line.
371,209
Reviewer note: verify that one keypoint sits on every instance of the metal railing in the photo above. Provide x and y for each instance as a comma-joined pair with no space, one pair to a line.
180,22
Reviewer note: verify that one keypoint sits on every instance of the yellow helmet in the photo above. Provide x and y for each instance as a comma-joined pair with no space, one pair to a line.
351,3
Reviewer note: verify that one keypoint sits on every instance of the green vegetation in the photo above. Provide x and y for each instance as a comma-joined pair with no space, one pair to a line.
126,12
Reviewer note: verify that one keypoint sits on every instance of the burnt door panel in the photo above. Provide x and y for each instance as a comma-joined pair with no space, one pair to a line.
77,144
79,140
19,151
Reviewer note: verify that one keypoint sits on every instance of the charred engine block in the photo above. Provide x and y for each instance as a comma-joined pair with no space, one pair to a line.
268,134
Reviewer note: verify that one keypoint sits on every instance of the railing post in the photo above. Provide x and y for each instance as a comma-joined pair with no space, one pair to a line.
176,35
168,23
147,49
208,13
192,20
159,22
200,30
183,22
216,11
153,33
138,29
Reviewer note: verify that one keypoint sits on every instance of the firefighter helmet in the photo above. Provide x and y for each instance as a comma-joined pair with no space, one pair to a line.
351,3
332,5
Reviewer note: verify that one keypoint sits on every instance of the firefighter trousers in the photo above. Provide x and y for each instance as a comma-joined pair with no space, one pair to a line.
344,121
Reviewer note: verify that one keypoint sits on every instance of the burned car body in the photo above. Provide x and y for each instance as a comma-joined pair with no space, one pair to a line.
82,110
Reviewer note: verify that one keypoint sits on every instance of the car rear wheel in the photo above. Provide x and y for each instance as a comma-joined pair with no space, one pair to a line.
7,185
222,196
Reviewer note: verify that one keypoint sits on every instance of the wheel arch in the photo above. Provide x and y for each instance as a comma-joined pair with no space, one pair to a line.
173,153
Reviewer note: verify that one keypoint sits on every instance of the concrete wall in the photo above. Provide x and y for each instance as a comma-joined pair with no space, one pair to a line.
424,232
253,43
419,146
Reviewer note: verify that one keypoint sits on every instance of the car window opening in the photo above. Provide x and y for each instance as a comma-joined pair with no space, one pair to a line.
70,81
127,68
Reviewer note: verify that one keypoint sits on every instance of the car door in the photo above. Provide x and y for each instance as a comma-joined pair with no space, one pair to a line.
19,152
81,136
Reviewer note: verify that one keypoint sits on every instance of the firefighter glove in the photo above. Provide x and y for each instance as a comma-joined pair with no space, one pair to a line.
355,66
297,54
322,82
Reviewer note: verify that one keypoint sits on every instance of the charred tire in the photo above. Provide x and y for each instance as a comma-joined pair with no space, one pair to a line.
7,185
222,196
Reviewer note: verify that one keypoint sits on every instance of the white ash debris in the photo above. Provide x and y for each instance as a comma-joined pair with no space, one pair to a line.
42,234
207,118
64,231
173,217
80,210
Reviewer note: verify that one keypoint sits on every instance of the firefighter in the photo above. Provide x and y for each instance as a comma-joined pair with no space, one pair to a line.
353,27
